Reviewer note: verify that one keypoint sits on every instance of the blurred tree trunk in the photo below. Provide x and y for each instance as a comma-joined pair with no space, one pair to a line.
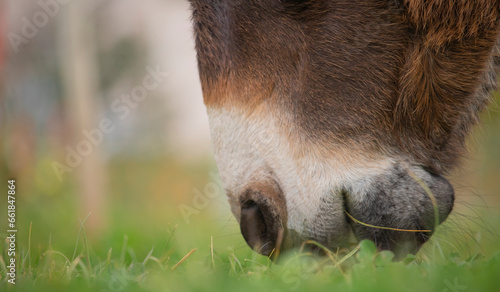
81,82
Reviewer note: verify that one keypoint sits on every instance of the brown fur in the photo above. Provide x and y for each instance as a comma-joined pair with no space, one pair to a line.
400,77
442,22
445,66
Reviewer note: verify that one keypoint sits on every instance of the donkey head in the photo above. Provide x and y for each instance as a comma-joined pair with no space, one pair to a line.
324,114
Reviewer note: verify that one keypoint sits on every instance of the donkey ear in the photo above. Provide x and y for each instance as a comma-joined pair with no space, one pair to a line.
441,21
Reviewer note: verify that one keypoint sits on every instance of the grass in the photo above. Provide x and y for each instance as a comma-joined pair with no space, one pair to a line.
148,246
363,269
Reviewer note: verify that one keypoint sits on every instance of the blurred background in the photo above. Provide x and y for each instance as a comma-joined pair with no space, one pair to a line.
101,113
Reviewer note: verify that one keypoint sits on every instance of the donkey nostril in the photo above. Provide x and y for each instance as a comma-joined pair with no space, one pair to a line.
258,227
263,217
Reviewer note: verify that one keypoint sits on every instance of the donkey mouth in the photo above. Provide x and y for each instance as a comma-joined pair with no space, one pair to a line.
399,212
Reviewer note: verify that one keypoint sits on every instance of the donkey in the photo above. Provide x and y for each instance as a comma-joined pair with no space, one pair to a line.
328,113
